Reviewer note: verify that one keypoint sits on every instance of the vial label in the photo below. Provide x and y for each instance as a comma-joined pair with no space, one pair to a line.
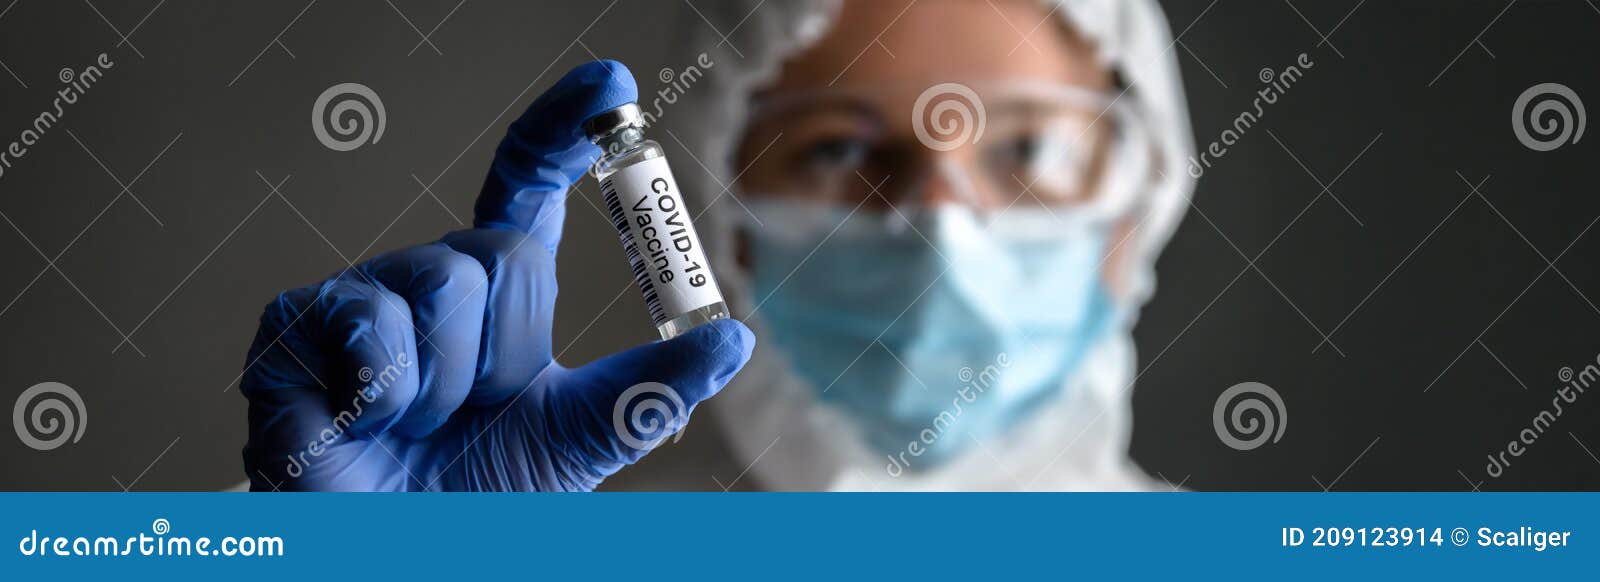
668,262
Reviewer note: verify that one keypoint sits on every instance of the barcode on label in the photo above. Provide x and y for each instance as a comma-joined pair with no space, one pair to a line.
641,274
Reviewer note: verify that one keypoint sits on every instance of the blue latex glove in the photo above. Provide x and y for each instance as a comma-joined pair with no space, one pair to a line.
430,368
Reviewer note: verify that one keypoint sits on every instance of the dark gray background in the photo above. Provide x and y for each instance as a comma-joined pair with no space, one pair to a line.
1453,354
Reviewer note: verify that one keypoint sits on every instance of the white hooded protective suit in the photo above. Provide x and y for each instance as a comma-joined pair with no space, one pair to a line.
767,430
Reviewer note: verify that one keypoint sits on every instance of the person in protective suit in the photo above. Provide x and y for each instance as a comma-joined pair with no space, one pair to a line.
941,219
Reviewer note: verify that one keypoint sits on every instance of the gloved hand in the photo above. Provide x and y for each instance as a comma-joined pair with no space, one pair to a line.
430,368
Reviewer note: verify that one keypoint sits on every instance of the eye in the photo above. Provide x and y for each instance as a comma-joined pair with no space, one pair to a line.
835,155
1018,152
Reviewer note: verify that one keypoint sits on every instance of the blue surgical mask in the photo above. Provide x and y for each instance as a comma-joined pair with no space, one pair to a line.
933,328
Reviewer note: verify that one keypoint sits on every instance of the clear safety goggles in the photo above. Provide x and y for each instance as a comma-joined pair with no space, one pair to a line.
1011,147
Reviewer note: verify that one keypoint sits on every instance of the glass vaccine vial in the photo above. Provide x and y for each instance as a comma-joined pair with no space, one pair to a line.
646,207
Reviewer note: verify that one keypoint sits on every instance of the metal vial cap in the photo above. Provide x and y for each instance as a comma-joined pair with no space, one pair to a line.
609,121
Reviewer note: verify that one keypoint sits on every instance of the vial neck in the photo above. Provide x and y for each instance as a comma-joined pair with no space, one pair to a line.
621,140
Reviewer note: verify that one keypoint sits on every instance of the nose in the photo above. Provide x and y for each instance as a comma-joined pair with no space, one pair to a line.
946,181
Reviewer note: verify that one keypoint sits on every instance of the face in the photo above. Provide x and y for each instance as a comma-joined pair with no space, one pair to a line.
838,124
876,128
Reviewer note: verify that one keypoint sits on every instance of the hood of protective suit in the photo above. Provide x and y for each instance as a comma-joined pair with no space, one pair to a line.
772,421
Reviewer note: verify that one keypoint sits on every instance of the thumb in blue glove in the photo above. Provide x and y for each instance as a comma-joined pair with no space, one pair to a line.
430,368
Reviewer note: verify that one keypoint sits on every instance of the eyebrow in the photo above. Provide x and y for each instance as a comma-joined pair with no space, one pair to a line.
801,105
804,104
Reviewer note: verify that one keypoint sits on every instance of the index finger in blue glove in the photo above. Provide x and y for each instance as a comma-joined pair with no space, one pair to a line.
446,292
545,151
517,313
